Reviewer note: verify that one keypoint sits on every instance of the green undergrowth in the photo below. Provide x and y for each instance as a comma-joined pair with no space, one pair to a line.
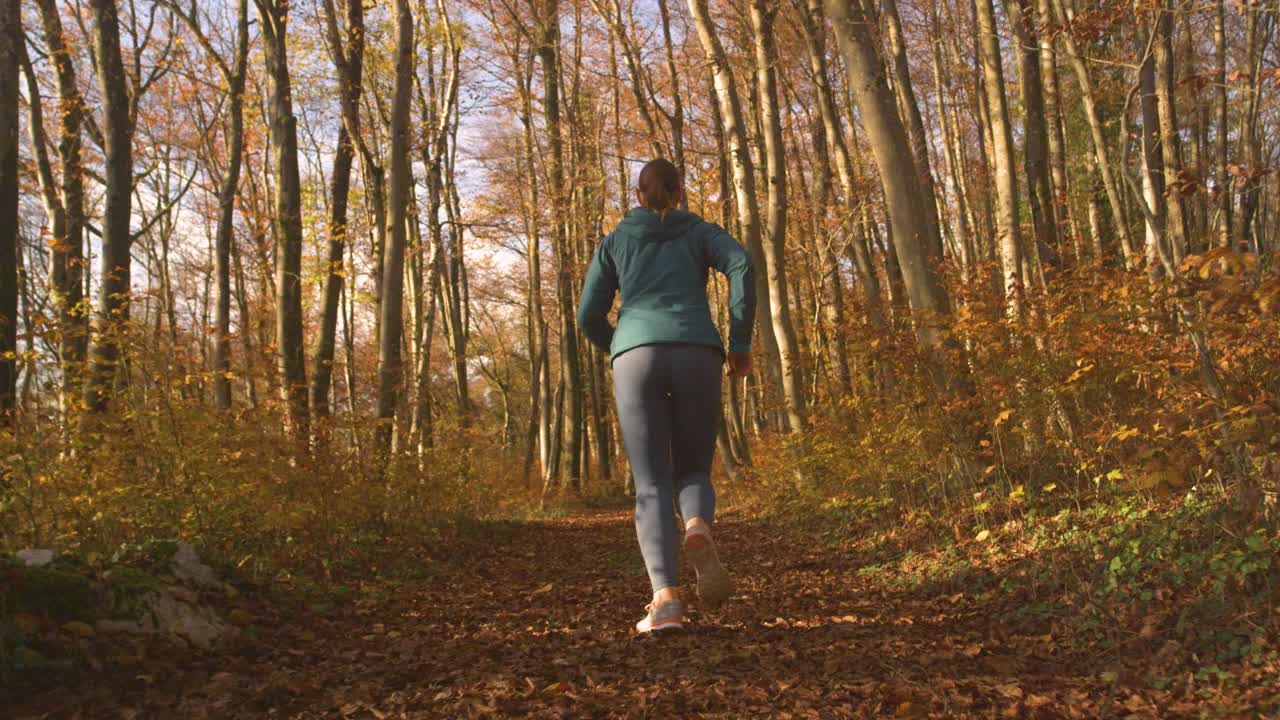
1178,587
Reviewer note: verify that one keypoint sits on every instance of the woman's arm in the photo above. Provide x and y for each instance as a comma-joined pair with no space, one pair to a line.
726,255
597,299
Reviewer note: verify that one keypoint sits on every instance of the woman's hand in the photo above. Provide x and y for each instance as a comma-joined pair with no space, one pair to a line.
739,364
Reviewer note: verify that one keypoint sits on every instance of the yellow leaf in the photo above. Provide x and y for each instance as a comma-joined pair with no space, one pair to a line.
544,589
982,536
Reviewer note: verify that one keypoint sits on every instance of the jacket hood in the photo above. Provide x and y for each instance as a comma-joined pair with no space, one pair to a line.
643,223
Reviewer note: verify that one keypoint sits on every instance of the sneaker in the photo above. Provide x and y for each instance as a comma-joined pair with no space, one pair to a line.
667,616
714,585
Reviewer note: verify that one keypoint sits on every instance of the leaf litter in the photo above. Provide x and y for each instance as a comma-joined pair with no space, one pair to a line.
805,636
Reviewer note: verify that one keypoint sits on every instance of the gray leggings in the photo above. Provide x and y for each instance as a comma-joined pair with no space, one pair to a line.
668,399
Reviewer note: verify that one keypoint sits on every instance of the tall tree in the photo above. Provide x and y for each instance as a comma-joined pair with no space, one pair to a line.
233,74
1022,18
913,238
904,91
10,43
1094,119
348,60
117,240
774,243
288,215
1007,220
1167,123
744,176
390,372
570,367
66,261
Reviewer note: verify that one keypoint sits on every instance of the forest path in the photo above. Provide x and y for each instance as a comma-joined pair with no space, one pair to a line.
805,635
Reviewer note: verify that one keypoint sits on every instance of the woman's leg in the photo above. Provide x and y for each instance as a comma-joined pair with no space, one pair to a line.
695,412
640,389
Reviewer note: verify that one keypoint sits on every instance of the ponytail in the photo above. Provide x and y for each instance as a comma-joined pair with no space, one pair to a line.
660,186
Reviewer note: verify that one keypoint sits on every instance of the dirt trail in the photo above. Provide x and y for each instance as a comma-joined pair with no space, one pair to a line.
804,636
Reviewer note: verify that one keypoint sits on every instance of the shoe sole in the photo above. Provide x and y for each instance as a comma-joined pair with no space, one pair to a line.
663,626
714,585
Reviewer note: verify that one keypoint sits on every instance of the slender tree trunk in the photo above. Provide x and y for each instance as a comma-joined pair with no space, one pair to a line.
390,371
774,242
675,118
744,179
740,452
67,255
906,95
113,303
288,220
1223,178
540,390
1152,159
914,240
349,61
1022,17
226,212
1259,24
1053,119
549,50
11,39
1007,220
1170,141
1096,132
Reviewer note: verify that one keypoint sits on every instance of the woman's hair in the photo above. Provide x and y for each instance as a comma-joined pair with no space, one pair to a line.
660,186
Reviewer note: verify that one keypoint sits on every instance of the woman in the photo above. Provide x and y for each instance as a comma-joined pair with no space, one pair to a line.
666,356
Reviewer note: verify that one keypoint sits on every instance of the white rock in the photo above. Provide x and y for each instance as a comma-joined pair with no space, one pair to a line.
165,613
35,557
188,567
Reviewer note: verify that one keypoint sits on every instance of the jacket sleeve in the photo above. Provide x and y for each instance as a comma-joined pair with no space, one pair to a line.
597,298
726,255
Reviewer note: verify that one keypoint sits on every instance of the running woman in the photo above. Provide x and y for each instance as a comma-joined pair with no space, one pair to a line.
667,357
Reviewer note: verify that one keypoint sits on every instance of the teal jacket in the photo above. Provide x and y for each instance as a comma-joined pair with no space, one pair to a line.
661,268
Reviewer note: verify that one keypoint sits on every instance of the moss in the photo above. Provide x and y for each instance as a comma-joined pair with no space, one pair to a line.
159,552
129,586
62,594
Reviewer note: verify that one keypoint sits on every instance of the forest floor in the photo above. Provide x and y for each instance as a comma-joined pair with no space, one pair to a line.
535,620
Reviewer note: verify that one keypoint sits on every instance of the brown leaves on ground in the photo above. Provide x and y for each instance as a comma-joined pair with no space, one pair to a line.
538,624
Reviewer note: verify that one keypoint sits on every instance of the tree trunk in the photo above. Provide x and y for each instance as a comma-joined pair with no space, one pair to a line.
1053,118
675,118
914,240
774,242
1095,129
740,453
390,372
288,220
226,212
540,389
1007,220
349,63
1170,142
906,95
11,40
66,267
549,51
1223,178
1152,159
813,26
113,303
1035,134
744,180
